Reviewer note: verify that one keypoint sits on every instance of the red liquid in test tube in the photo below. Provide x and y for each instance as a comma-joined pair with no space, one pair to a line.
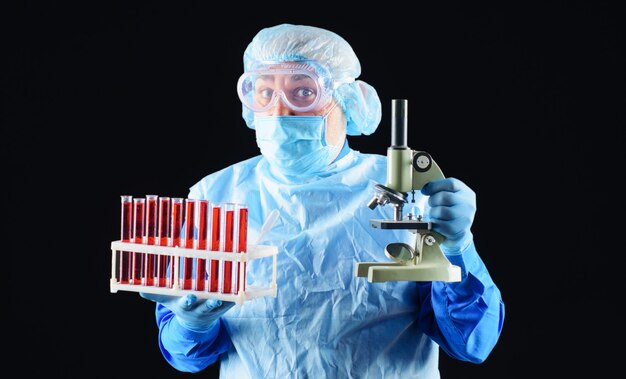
139,212
214,270
242,243
229,230
164,227
150,238
125,236
175,230
190,208
203,211
177,222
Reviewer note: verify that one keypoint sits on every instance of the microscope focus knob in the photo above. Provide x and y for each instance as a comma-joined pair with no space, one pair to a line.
422,161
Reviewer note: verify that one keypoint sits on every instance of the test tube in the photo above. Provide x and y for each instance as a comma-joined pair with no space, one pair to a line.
242,244
202,222
176,221
139,211
229,237
214,269
164,228
175,231
190,208
151,237
125,236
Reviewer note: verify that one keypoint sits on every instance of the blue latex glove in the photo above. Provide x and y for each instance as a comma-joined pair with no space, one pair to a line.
193,314
452,209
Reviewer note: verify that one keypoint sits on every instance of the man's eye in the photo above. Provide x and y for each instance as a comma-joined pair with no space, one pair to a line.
304,92
266,93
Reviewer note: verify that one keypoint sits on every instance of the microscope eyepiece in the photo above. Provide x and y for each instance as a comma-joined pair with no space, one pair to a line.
399,123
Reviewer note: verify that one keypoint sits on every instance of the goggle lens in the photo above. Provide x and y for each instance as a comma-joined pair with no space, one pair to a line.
298,89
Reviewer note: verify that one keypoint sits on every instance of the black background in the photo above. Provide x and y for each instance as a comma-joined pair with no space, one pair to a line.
525,103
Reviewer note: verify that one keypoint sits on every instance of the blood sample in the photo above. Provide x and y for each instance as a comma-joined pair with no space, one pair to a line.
202,222
214,269
150,238
125,236
176,221
229,231
139,205
175,231
164,228
242,243
190,208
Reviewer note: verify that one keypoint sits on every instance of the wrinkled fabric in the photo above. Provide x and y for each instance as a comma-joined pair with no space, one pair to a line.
325,322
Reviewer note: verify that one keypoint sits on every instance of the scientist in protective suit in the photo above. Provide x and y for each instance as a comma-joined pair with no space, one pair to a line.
301,96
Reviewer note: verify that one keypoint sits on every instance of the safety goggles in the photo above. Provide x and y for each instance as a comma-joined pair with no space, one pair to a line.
299,88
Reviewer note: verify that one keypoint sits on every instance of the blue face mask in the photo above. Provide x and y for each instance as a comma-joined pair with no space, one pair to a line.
295,145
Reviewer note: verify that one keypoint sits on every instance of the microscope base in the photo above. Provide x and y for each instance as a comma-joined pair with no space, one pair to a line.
422,272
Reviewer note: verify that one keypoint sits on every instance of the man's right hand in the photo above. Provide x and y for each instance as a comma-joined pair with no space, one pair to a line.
191,313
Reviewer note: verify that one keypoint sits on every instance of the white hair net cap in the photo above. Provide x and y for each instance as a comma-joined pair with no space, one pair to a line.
286,42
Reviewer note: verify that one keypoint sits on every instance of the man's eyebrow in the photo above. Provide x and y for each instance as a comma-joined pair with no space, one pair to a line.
294,77
299,77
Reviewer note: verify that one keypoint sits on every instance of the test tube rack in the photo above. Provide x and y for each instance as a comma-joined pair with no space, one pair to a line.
176,253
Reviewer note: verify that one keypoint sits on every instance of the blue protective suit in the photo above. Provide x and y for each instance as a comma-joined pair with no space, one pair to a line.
325,322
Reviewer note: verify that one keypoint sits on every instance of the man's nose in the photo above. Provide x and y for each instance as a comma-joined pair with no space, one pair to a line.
281,109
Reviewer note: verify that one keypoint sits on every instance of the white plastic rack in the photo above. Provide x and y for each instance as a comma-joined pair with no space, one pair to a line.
250,292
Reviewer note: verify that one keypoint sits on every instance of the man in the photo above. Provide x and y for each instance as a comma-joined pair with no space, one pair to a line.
301,95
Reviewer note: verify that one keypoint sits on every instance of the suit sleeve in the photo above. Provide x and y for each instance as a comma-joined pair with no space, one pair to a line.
465,318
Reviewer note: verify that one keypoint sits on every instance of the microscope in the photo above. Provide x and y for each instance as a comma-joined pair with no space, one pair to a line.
407,171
